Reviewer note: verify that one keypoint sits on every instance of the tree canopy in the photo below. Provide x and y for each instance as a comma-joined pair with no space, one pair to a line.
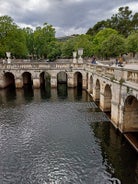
107,38
124,22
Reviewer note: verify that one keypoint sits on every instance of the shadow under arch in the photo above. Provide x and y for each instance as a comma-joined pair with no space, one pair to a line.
9,80
97,91
27,79
130,114
78,79
45,85
62,78
28,86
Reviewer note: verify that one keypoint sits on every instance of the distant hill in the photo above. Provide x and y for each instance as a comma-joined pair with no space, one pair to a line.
64,38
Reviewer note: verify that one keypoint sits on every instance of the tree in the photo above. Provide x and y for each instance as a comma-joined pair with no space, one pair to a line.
67,48
42,37
122,21
54,50
12,38
85,42
113,46
73,44
29,35
135,21
132,43
99,38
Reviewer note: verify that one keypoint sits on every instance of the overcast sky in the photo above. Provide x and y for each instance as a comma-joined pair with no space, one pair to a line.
66,16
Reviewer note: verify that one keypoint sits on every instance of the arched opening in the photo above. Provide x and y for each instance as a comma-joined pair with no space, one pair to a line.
62,78
42,79
107,98
62,84
27,79
131,114
45,85
45,80
9,80
78,79
91,84
97,90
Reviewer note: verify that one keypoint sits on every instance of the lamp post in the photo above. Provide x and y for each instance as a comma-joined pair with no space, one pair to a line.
80,53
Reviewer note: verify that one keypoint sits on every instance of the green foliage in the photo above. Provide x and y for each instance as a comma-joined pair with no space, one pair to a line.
73,44
54,50
132,43
12,38
113,46
42,37
107,38
99,38
124,22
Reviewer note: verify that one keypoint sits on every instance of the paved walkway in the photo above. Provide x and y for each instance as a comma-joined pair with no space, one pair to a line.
131,66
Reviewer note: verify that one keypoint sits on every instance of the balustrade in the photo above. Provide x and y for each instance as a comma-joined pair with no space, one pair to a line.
132,76
107,71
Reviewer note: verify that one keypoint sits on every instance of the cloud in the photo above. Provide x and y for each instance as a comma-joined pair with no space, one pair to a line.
67,16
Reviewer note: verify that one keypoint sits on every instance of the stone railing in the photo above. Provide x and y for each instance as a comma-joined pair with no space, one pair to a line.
114,73
40,66
132,76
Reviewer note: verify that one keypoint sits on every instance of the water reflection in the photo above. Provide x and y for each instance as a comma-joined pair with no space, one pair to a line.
45,92
62,90
60,137
118,155
78,92
28,92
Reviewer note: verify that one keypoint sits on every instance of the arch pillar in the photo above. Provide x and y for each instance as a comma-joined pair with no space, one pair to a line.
53,81
36,83
115,109
105,97
71,81
84,81
121,118
18,83
89,83
96,91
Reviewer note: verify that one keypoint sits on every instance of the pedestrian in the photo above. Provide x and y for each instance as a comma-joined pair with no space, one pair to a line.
120,61
93,60
116,61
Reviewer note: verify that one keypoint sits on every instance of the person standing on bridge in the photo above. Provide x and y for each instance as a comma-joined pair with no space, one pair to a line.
120,61
93,60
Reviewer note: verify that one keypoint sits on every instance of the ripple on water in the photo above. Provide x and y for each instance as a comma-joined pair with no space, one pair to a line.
51,143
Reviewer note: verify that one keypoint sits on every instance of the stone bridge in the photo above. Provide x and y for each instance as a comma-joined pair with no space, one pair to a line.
115,88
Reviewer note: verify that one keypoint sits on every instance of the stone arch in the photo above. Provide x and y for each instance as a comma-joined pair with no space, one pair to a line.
9,80
97,90
45,79
78,79
107,98
130,121
62,77
27,79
